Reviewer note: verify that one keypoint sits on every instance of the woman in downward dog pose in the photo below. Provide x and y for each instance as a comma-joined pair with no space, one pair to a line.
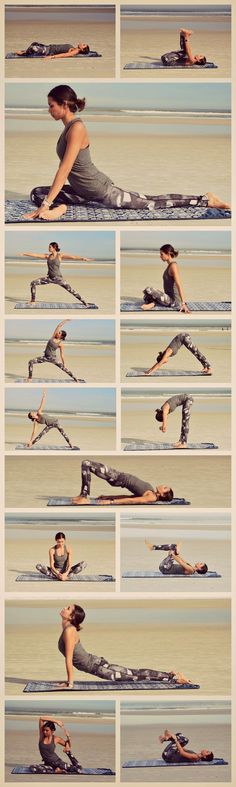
76,656
181,340
173,295
179,400
54,274
47,745
48,421
53,344
86,181
184,55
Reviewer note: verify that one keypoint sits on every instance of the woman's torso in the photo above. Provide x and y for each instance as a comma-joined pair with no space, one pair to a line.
53,264
81,659
47,751
135,485
175,401
170,287
48,420
60,561
58,49
51,349
86,180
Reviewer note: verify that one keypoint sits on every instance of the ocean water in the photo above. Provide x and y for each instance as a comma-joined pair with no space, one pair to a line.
203,277
94,361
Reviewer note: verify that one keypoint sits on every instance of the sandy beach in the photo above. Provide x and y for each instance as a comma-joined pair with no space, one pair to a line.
96,29
145,38
94,363
84,432
151,634
205,481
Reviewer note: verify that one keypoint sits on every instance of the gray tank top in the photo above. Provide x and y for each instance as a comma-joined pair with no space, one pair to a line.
50,350
170,287
48,420
135,485
53,264
58,49
60,561
175,401
47,751
81,659
84,177
176,343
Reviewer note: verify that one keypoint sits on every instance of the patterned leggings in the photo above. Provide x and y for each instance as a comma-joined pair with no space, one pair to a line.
184,339
157,296
170,753
47,429
185,419
75,766
118,198
43,359
108,474
56,280
98,666
76,569
167,564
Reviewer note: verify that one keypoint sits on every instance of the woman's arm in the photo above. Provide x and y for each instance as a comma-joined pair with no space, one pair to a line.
70,53
42,720
148,497
187,755
175,273
54,570
59,326
42,403
65,256
69,642
189,569
165,413
167,353
34,430
61,348
35,256
74,141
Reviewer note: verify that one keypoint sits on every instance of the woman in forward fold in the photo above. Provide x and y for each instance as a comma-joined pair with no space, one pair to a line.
60,561
51,51
47,745
49,356
76,656
54,274
179,400
173,295
141,491
183,56
48,421
173,563
86,181
175,751
181,340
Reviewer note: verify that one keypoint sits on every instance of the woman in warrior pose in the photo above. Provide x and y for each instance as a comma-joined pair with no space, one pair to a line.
179,400
48,421
50,51
53,344
183,56
86,181
60,560
54,274
76,656
47,745
181,340
173,295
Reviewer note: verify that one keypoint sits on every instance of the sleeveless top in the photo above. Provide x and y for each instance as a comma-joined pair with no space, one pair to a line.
48,420
176,343
58,49
170,287
60,561
81,659
53,264
50,350
86,180
134,485
47,751
175,401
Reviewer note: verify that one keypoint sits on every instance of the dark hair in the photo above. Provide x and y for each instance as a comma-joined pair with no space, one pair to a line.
49,724
203,569
31,417
55,245
63,335
168,249
59,535
168,496
65,94
85,49
209,757
77,616
159,415
202,61
160,356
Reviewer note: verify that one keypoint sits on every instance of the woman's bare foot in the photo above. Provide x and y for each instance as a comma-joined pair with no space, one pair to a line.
148,306
180,445
215,202
165,736
80,500
180,678
207,370
31,303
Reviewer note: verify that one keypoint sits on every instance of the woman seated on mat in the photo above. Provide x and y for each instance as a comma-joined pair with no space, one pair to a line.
53,50
181,340
60,560
76,656
50,421
49,356
183,56
175,750
142,491
179,400
47,745
173,294
54,274
173,563
86,181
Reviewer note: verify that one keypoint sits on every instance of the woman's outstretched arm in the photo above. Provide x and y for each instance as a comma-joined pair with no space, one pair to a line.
35,256
175,273
69,642
42,403
70,53
65,256
167,353
34,431
59,326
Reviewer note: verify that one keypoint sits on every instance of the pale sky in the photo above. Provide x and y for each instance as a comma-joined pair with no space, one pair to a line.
98,244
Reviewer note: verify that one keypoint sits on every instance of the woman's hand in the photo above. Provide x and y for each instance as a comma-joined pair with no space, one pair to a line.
184,308
39,213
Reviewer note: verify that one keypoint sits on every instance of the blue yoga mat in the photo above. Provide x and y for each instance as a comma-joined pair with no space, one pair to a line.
13,56
194,306
67,501
33,576
146,445
157,64
140,372
159,575
37,447
83,772
45,305
109,685
162,764
93,211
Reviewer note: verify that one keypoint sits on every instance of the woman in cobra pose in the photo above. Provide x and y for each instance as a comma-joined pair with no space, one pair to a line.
86,182
76,656
181,340
54,274
173,295
47,745
48,421
53,344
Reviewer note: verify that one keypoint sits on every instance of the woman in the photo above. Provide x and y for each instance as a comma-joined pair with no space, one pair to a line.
50,423
175,751
182,339
54,274
86,182
76,656
173,295
179,400
142,492
183,56
60,560
49,51
47,745
53,344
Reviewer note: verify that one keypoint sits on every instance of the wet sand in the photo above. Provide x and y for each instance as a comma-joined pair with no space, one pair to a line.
192,636
83,432
146,38
96,285
93,364
99,35
205,481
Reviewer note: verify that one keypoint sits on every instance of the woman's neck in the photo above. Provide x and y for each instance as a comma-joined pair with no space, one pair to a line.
68,117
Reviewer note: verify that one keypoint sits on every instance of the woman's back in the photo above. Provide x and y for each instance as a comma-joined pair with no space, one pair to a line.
84,177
